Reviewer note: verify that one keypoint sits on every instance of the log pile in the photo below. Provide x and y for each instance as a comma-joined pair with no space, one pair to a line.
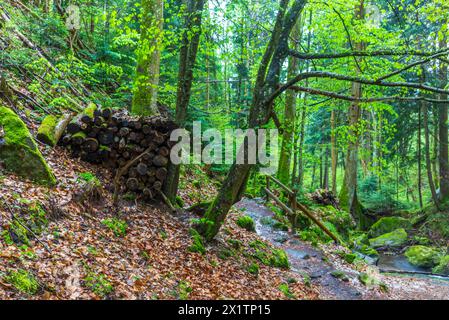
137,150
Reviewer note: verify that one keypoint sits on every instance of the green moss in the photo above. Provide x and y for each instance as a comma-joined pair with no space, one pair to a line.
90,109
285,289
396,238
198,243
246,222
442,267
80,134
423,256
350,257
269,257
99,284
117,226
388,224
46,131
184,290
340,275
236,244
253,268
32,218
18,151
23,281
179,201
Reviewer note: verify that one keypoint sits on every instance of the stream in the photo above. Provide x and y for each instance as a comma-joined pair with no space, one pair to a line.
405,280
303,257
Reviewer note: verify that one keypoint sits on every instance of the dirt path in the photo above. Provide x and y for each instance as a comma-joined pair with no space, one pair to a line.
305,258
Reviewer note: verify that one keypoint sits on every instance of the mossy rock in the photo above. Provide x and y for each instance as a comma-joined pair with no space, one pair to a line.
396,238
18,151
388,224
422,256
442,267
46,132
340,275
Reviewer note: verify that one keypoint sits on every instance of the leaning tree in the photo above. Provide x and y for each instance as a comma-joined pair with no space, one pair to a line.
268,87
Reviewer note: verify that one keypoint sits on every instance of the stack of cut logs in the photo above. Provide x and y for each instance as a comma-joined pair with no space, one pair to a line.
137,150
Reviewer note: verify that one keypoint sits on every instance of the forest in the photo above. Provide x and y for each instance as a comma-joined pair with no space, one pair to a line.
224,149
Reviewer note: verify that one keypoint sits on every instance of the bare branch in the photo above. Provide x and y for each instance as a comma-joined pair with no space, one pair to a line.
417,63
377,53
330,75
335,95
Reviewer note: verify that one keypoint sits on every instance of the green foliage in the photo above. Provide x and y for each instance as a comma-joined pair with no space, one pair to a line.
380,199
86,177
253,268
184,290
285,289
31,221
198,242
268,256
179,201
99,284
23,281
117,226
246,222
340,275
315,235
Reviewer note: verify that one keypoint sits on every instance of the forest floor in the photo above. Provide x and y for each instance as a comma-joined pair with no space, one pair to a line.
78,257
85,260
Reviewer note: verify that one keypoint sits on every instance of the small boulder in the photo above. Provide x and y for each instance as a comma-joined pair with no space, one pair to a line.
18,151
396,238
422,256
388,224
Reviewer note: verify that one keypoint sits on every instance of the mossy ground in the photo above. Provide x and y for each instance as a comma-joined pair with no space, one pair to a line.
22,281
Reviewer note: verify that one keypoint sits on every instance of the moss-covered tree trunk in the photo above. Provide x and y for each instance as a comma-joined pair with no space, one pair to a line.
289,116
334,153
148,58
348,193
443,129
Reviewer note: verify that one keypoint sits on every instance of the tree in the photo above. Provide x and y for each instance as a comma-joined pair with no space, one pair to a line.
288,125
443,125
187,58
348,194
267,82
148,58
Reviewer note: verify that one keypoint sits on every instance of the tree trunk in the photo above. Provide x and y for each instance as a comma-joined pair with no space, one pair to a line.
418,141
289,116
348,194
334,153
427,152
148,59
187,61
443,130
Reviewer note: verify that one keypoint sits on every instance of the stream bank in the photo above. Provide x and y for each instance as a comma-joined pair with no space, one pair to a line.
322,265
